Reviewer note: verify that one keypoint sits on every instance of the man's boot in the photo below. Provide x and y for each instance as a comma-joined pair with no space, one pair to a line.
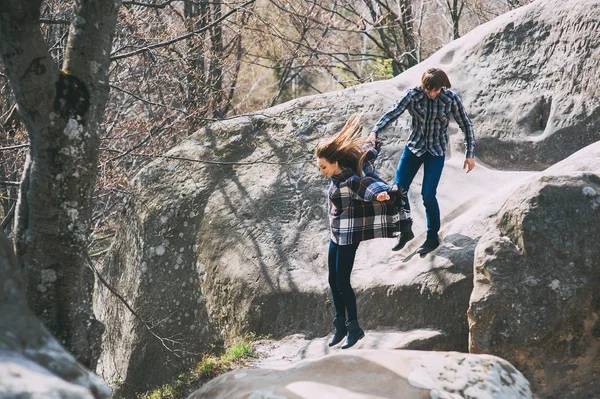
406,234
339,331
429,245
354,334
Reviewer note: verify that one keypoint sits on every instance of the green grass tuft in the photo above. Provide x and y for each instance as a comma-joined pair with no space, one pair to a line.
235,356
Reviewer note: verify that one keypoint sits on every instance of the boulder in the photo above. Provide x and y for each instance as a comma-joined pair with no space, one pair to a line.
536,300
227,233
33,363
377,374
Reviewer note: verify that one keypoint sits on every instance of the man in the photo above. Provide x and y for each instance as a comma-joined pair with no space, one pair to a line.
430,106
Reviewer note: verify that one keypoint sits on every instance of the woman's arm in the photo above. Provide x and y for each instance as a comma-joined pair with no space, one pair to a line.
367,188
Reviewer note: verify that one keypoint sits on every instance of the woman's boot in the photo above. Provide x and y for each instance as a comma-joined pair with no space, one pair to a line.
354,334
339,332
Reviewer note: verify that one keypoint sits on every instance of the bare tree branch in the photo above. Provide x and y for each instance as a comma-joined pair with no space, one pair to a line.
147,101
149,327
9,183
182,37
178,158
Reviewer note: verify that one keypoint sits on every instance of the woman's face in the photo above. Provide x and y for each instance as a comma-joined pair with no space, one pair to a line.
327,168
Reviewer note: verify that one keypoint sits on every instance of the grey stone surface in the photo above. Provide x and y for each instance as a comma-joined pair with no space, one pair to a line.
382,374
536,300
32,363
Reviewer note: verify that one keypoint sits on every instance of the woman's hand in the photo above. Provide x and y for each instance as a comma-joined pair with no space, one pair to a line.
384,196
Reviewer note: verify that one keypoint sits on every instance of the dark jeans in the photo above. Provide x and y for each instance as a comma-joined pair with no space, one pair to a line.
432,167
341,261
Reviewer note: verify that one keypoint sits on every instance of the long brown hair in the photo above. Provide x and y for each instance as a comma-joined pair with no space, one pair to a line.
346,147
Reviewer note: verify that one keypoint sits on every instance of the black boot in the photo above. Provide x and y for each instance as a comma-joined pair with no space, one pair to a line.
354,334
429,245
339,331
406,234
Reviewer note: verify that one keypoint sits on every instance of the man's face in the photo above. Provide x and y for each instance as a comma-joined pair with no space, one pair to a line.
432,93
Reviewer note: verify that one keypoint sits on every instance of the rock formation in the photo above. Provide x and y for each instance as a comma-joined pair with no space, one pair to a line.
228,233
377,374
536,300
32,363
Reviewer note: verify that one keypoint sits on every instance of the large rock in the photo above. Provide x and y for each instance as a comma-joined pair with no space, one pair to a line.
32,363
377,374
228,233
530,82
536,300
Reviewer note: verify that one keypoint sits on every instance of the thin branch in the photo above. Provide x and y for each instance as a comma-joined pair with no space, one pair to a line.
147,101
54,21
137,3
178,158
9,183
148,326
138,145
14,147
182,37
10,114
7,218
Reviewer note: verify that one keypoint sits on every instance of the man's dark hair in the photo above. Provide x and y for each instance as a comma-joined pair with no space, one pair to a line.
434,79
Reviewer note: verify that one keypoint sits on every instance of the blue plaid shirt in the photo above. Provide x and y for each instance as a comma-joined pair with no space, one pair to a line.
430,120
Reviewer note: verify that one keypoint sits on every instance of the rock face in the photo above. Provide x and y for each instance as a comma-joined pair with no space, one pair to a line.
33,364
536,300
377,374
228,233
530,85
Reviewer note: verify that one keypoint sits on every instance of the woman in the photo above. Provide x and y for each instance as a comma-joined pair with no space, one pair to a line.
360,208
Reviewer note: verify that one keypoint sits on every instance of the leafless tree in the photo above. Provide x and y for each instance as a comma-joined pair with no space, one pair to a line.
61,109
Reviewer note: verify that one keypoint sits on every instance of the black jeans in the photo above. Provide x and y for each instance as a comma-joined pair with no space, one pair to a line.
341,261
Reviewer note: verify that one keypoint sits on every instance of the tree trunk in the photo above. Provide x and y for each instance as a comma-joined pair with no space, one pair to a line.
62,111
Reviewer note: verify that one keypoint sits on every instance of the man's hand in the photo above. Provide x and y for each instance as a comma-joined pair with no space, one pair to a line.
372,138
469,164
384,196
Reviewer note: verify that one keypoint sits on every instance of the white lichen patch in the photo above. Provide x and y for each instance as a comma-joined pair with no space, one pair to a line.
160,250
589,191
73,129
48,276
555,284
475,376
73,214
78,20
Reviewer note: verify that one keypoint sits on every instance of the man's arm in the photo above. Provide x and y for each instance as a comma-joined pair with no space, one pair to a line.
461,117
391,115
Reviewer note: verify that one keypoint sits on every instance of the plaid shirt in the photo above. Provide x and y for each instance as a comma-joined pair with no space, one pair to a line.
430,120
355,215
